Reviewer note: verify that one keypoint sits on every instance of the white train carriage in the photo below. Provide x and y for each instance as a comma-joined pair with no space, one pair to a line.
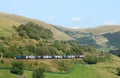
30,57
70,56
47,57
81,56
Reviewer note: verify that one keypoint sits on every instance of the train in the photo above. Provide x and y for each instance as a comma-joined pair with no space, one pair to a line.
50,57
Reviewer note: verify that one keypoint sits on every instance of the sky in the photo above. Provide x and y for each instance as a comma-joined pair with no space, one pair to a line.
67,13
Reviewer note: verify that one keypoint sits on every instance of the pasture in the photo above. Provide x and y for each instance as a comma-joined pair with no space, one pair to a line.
79,71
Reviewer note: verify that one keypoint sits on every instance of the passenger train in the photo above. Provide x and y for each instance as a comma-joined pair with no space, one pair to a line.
50,57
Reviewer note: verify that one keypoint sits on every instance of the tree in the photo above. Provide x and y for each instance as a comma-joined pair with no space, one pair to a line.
52,50
43,50
17,68
91,59
118,69
64,65
60,45
38,73
34,31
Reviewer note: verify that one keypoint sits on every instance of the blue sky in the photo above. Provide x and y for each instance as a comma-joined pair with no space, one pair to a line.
68,13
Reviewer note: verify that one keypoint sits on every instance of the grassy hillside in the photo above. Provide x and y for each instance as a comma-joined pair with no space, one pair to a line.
91,36
78,72
102,36
81,71
113,39
9,20
103,29
95,30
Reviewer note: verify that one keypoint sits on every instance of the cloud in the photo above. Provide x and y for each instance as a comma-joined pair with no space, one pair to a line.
77,19
110,23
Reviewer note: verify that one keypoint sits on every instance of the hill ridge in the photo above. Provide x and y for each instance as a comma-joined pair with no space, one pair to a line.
17,20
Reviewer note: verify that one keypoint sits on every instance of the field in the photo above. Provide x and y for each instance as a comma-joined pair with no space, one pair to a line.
106,69
7,74
79,71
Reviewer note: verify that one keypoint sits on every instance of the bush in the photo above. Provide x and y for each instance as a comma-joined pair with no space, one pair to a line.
64,65
118,73
90,59
17,68
2,61
38,73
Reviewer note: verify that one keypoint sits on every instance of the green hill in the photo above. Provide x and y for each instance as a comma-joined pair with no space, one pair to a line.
100,37
90,36
9,20
103,29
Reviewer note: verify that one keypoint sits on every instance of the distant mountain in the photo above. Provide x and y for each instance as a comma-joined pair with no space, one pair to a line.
7,21
107,36
103,29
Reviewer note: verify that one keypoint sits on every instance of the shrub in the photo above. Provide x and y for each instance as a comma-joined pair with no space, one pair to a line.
38,73
90,59
118,73
2,61
17,68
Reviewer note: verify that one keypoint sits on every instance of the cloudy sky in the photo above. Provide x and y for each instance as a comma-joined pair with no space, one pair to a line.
68,13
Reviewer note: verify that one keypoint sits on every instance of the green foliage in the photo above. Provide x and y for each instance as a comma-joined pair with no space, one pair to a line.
13,50
60,45
43,50
118,71
53,50
113,39
33,39
104,56
64,65
115,52
77,50
34,31
44,47
17,68
38,73
1,61
87,40
91,59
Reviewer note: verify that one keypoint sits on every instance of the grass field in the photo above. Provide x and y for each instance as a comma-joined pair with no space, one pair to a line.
83,71
7,74
79,71
106,69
